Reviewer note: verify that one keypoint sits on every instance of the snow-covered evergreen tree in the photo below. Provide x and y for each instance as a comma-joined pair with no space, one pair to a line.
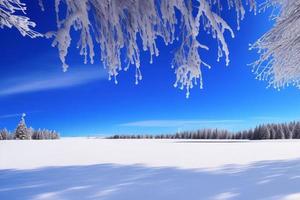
22,132
38,135
4,134
44,135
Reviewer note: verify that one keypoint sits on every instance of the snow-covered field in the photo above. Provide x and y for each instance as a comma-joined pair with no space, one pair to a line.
80,168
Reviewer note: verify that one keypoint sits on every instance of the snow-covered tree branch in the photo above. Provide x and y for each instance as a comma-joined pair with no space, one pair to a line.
122,28
117,25
12,14
279,48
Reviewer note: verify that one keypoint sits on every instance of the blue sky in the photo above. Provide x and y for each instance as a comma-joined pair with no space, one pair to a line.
83,101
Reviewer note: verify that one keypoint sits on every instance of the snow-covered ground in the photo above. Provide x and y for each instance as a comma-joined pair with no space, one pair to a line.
80,168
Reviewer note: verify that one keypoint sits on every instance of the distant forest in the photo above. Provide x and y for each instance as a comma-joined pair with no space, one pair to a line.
262,132
24,133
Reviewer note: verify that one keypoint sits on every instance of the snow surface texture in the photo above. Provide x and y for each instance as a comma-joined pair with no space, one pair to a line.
118,25
9,17
149,169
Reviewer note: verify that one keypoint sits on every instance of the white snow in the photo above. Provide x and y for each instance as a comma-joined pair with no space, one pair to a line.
187,154
81,168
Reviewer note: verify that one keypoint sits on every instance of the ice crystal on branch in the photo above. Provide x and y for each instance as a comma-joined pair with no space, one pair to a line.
279,48
118,25
12,15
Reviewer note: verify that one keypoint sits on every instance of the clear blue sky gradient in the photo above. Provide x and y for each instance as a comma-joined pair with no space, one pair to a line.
83,102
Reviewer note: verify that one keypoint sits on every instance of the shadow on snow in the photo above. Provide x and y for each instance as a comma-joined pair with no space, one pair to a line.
262,180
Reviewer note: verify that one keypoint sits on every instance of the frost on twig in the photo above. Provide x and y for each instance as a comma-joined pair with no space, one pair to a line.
12,15
123,27
279,48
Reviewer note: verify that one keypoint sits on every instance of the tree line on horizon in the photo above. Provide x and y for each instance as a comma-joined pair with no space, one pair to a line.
262,132
24,133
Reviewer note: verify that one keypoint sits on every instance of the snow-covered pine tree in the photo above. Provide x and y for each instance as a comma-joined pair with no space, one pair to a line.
4,134
22,132
30,131
296,134
290,130
45,135
36,135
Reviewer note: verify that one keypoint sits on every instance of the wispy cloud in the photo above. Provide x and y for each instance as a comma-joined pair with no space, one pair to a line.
40,81
180,123
10,115
15,115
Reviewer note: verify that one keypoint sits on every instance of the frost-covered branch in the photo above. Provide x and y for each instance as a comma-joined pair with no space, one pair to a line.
122,28
279,48
119,26
12,15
